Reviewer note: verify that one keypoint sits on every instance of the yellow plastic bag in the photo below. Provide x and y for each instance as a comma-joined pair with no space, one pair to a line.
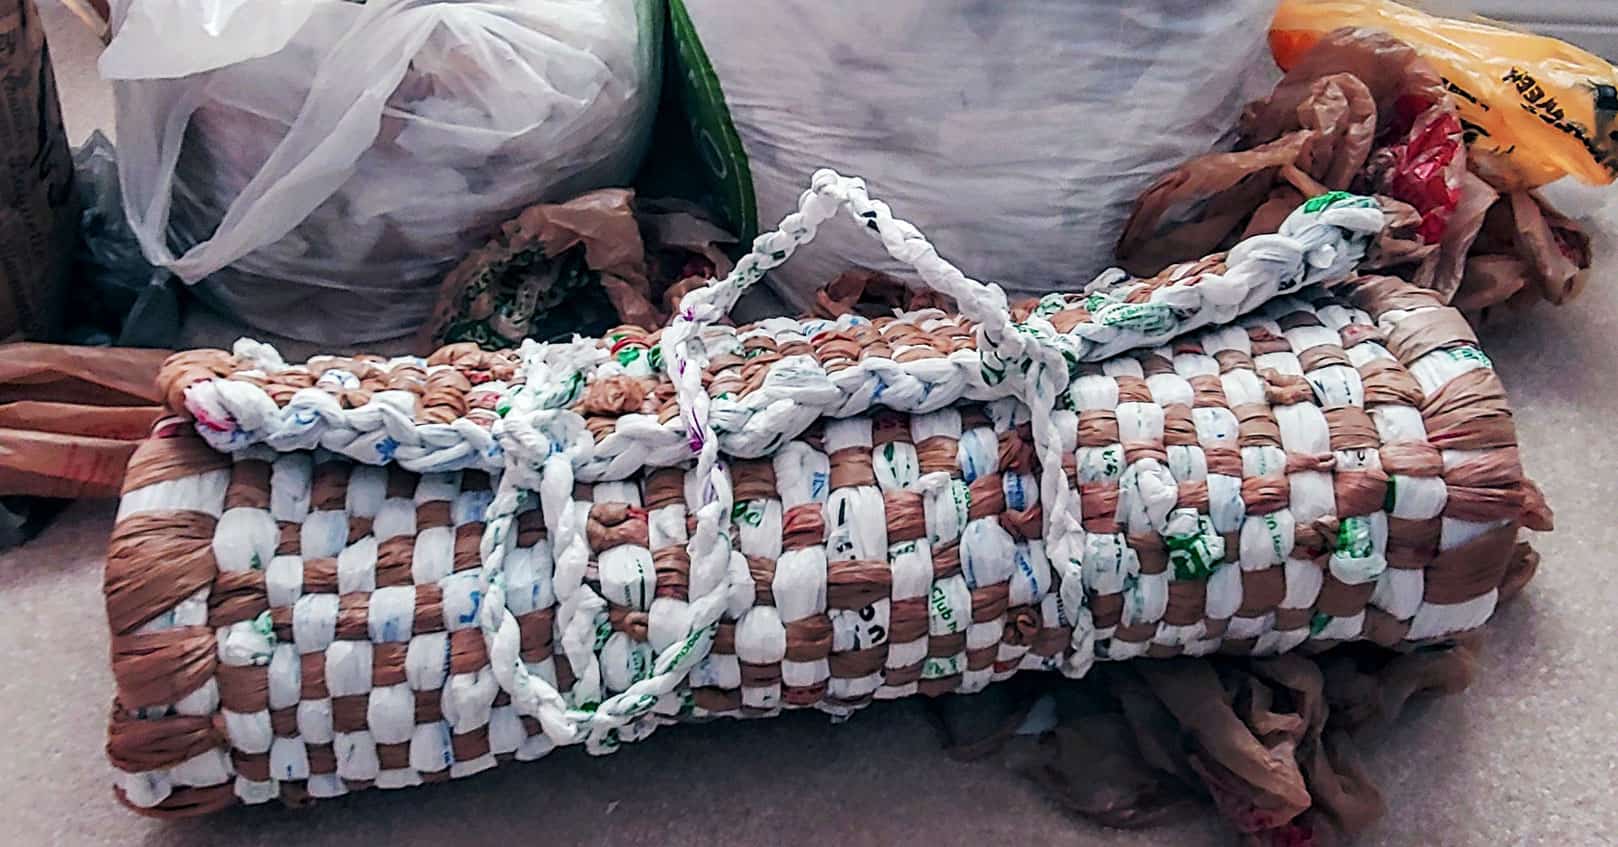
1535,108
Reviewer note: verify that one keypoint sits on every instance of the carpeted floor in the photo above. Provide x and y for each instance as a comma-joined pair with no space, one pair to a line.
1529,755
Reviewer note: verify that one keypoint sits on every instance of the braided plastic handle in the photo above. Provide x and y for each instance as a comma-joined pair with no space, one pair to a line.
546,443
984,303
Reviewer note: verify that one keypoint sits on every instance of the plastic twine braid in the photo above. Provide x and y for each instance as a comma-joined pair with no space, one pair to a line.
544,442
1318,244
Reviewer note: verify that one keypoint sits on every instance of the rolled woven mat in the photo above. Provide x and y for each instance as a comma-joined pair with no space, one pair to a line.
385,573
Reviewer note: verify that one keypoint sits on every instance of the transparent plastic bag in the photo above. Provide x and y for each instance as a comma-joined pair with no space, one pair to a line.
319,165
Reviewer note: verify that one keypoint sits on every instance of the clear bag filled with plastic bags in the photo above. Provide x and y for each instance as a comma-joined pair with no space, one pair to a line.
1017,133
317,165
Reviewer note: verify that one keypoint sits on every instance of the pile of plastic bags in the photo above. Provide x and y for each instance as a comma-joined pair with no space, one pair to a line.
317,166
1434,126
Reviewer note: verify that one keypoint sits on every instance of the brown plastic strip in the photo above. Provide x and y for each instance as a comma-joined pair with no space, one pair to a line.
1472,569
155,560
165,459
136,745
158,668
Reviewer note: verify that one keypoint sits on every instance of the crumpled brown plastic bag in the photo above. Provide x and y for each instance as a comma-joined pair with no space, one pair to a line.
1444,271
562,256
1322,119
874,294
1230,184
1526,251
71,416
1271,742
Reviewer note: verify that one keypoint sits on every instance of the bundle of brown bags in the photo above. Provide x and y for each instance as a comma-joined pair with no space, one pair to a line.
1272,743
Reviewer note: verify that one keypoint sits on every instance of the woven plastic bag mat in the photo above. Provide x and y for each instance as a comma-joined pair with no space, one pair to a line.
360,572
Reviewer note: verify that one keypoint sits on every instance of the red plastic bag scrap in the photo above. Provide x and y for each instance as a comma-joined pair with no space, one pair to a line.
1426,171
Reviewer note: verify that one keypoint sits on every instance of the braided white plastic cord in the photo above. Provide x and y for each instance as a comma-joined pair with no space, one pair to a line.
543,444
1319,243
539,446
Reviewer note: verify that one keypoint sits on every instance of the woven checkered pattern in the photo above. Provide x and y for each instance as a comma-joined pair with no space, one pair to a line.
294,625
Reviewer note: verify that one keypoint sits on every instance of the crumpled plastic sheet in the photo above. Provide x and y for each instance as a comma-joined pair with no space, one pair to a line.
874,294
1273,743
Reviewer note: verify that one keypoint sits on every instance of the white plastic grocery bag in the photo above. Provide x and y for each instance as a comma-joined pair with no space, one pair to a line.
318,165
1016,132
